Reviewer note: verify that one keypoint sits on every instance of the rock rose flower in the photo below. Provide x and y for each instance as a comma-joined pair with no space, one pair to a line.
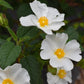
62,77
14,74
59,52
45,18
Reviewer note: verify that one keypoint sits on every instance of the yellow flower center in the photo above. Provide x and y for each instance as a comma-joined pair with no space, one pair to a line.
59,53
43,21
7,81
62,73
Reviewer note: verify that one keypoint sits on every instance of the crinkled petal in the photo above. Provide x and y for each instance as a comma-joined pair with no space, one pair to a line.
52,79
68,77
40,9
56,25
46,54
22,77
12,70
29,20
49,43
64,62
72,50
61,39
67,64
59,18
2,75
61,81
52,13
48,31
55,62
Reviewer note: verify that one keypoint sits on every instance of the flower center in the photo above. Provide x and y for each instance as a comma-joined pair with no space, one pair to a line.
43,21
59,53
62,73
7,81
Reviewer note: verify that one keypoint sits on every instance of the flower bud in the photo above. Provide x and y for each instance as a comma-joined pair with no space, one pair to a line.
3,20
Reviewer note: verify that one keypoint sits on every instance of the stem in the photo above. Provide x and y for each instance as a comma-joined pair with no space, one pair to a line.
12,33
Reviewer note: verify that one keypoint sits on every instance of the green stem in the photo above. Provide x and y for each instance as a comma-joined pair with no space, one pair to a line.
12,33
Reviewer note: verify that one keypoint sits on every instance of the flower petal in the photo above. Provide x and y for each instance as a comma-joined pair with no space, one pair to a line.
22,77
65,63
40,9
73,51
49,43
46,54
61,81
61,39
52,13
52,79
29,20
59,18
56,25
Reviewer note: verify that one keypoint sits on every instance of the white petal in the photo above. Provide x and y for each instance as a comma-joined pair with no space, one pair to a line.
64,62
47,31
72,46
22,77
2,75
54,62
12,70
59,18
61,39
52,79
68,77
29,20
75,57
49,43
40,9
46,54
73,51
56,25
52,13
67,64
61,81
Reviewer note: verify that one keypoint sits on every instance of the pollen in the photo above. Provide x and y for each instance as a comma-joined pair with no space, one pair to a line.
62,74
43,21
59,53
7,81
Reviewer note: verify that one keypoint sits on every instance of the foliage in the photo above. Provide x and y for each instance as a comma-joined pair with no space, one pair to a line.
22,44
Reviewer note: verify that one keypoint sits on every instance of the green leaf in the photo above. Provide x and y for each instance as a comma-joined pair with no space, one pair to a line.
8,54
31,64
5,4
24,10
27,32
72,33
81,63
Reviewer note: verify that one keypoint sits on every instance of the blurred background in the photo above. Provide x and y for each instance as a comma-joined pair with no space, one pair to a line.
74,19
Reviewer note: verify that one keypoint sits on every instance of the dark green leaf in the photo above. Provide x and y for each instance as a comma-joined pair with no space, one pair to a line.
8,54
72,33
27,32
81,63
5,4
31,64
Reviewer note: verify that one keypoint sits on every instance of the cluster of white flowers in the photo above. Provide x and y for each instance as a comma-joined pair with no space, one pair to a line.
54,48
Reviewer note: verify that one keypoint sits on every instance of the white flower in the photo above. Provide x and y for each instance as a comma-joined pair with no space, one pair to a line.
55,48
45,18
62,77
14,74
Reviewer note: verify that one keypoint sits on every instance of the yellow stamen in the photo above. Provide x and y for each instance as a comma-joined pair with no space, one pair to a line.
62,73
7,81
59,53
43,21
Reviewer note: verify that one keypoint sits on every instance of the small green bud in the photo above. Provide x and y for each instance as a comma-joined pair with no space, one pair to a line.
3,20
